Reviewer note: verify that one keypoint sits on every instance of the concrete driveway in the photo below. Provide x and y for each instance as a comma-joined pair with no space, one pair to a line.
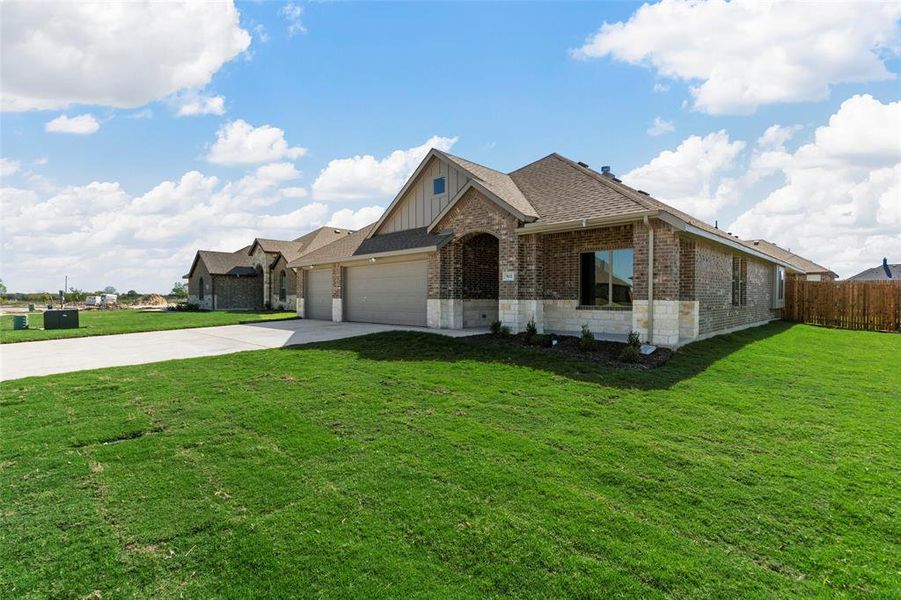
48,357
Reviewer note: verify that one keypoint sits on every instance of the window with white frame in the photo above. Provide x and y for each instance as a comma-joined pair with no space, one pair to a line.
605,278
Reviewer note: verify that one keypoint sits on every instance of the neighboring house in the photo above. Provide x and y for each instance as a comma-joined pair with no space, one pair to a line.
463,245
808,269
256,276
884,272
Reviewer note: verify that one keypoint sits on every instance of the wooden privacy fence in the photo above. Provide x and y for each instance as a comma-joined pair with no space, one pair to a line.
874,305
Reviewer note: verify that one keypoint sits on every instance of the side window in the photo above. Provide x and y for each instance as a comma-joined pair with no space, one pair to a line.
438,186
200,293
606,278
283,286
739,281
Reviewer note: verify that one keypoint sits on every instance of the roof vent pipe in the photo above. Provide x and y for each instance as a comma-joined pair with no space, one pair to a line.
605,171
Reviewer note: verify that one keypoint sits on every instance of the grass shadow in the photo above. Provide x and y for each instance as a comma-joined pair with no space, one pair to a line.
418,346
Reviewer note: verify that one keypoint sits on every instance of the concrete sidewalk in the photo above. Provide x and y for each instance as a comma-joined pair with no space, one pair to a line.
25,359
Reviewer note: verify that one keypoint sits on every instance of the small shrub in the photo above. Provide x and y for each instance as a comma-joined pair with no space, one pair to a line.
187,307
531,330
505,331
543,340
496,328
586,340
634,340
630,354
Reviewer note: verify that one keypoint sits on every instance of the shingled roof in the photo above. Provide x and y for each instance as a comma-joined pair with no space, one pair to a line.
224,263
293,249
552,191
802,264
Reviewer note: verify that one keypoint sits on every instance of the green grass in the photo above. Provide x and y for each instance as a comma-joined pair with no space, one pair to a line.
760,464
107,322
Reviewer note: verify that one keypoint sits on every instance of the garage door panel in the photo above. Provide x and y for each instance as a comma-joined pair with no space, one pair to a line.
392,293
318,294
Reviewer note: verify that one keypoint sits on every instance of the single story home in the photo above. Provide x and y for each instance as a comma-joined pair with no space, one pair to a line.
554,242
256,276
807,269
884,272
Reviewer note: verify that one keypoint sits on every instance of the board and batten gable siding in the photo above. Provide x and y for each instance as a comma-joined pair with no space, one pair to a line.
419,207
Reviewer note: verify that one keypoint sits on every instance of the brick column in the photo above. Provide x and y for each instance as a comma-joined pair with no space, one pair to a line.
337,293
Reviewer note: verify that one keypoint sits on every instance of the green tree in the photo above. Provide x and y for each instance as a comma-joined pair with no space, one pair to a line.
179,290
109,290
2,288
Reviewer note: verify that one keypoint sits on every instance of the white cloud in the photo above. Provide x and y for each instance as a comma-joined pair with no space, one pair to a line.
120,54
660,126
838,203
9,167
355,219
660,88
693,176
193,103
99,234
144,113
748,53
84,124
293,13
775,137
366,177
294,192
240,143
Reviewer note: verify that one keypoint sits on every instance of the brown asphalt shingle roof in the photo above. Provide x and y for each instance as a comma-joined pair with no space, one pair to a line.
799,262
227,263
293,249
500,184
339,249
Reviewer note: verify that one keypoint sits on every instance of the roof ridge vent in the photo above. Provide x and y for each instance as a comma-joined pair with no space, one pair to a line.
582,164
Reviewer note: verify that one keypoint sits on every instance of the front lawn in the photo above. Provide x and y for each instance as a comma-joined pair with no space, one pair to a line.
107,322
759,464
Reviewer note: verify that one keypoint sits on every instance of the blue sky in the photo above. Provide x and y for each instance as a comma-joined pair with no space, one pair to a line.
352,79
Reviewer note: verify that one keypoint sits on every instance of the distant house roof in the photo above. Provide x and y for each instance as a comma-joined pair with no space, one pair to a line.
802,264
880,273
293,249
237,263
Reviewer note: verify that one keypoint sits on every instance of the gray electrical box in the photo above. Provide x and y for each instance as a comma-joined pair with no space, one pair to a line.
60,319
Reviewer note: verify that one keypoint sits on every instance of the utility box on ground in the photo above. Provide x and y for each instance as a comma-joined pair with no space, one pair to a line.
60,319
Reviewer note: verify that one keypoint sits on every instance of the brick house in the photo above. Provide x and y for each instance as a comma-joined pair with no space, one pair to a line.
256,276
463,245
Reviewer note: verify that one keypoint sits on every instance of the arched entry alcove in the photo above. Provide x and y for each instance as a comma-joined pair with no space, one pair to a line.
481,279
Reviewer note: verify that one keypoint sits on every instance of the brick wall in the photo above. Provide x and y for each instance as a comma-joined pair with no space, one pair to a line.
291,298
238,292
480,267
559,257
688,257
475,214
199,273
666,261
713,285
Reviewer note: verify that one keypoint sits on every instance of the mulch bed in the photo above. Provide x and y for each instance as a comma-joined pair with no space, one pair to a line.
605,353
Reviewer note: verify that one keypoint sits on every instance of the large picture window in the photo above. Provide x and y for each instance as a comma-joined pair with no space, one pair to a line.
606,278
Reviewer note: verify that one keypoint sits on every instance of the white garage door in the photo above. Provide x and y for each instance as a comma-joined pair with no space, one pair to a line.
317,302
392,293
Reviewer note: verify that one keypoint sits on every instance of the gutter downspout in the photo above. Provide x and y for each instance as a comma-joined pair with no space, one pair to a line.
650,281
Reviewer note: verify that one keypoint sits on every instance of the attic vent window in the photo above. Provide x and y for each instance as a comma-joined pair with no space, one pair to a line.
438,186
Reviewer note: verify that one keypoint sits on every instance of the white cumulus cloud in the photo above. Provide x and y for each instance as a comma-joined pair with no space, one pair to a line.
839,199
365,177
347,218
9,167
192,104
660,126
84,124
746,53
120,54
692,177
240,143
